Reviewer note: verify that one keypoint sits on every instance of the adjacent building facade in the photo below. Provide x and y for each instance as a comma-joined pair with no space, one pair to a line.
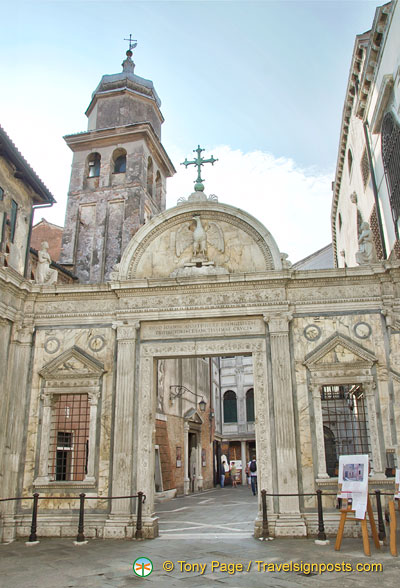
367,182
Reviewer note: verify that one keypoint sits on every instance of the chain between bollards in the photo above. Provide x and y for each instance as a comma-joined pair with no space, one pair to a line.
265,529
321,527
81,536
33,536
139,527
381,524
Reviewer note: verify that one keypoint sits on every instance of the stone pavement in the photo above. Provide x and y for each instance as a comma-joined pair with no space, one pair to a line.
215,525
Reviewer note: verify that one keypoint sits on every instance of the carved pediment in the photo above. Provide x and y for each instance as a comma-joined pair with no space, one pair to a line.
339,350
73,363
192,416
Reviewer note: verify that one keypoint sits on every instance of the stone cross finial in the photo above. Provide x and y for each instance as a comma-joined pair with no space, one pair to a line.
198,162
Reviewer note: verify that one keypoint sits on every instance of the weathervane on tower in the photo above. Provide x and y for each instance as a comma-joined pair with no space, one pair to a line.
132,43
128,65
198,162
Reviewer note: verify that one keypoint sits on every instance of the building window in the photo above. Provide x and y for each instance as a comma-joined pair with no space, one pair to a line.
359,222
373,223
120,164
340,221
250,405
1,194
391,161
364,164
69,437
13,220
158,189
94,165
345,423
230,407
150,176
349,160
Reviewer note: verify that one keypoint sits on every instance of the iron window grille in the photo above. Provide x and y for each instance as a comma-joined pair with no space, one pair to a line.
345,423
69,437
391,161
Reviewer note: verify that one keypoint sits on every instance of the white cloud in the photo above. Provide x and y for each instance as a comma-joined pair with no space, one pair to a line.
293,203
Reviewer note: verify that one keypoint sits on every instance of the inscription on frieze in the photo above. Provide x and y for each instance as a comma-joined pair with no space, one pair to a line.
205,328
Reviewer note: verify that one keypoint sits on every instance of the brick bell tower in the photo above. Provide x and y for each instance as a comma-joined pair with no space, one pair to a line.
119,172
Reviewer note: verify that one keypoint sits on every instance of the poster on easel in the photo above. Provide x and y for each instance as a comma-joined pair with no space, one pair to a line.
353,482
397,484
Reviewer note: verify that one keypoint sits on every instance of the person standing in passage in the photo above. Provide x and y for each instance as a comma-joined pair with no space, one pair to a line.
233,474
252,467
223,470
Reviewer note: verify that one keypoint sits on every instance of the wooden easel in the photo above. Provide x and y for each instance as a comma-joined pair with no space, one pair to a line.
393,525
364,528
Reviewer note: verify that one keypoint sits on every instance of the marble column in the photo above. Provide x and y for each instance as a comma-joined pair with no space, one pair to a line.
122,467
370,388
289,521
43,472
93,404
5,332
199,468
17,389
145,436
244,461
319,432
186,478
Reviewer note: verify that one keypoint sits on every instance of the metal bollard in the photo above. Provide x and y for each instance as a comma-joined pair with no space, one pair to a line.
381,524
321,527
139,528
265,529
33,536
81,536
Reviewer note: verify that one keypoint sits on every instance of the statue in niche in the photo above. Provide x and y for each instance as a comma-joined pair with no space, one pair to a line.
366,250
44,275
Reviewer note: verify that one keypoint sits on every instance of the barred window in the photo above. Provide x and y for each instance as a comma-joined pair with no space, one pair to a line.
69,437
391,161
345,423
364,164
230,407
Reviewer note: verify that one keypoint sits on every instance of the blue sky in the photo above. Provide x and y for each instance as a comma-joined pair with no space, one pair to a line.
260,84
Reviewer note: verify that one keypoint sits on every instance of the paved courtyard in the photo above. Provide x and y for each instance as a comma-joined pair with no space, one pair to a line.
214,526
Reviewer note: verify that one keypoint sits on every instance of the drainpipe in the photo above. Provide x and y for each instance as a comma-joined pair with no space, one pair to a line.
30,234
374,189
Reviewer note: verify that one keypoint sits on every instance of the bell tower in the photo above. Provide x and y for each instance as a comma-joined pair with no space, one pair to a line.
119,172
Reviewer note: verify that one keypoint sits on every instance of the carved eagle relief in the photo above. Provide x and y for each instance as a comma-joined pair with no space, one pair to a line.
197,234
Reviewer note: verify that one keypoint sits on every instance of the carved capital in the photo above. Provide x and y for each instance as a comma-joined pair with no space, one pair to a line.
22,334
278,323
388,314
93,397
128,332
48,399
